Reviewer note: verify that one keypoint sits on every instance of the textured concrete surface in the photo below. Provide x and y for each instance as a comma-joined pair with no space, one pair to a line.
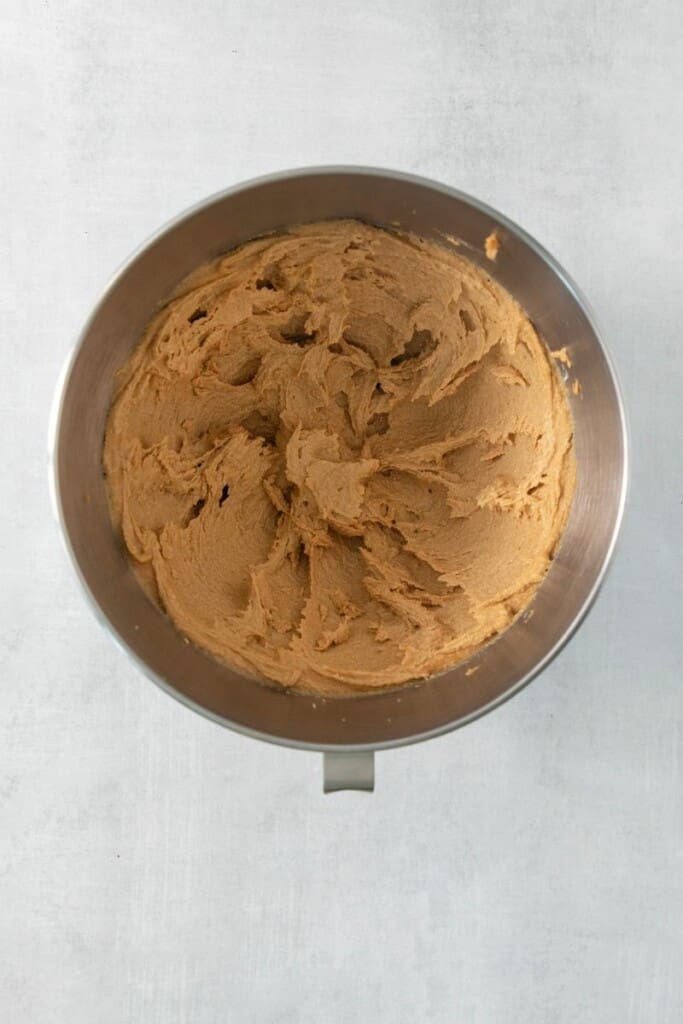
154,868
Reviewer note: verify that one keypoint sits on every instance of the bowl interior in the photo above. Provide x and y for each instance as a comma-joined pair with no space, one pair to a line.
457,695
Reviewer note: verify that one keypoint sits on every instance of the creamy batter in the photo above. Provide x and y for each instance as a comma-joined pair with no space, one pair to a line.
340,458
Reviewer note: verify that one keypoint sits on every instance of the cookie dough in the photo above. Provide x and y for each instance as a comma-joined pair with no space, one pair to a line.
341,459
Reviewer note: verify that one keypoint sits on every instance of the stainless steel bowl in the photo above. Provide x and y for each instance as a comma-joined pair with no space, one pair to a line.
347,729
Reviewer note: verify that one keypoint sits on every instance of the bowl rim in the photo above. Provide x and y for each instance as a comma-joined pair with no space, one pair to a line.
302,172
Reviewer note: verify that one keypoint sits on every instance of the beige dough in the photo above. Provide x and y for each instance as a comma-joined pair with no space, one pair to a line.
340,458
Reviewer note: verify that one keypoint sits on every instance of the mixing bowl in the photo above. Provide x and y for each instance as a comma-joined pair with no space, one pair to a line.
348,731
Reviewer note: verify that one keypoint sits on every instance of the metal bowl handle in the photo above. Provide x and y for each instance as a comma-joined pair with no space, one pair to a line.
352,770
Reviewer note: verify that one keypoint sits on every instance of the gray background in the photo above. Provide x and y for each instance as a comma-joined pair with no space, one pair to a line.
155,868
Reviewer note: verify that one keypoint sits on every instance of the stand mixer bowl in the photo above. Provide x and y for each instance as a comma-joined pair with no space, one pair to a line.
349,730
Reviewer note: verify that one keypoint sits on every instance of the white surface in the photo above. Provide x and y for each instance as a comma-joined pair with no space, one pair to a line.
156,869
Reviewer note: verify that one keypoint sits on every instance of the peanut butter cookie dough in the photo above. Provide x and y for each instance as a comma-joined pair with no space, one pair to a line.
341,459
